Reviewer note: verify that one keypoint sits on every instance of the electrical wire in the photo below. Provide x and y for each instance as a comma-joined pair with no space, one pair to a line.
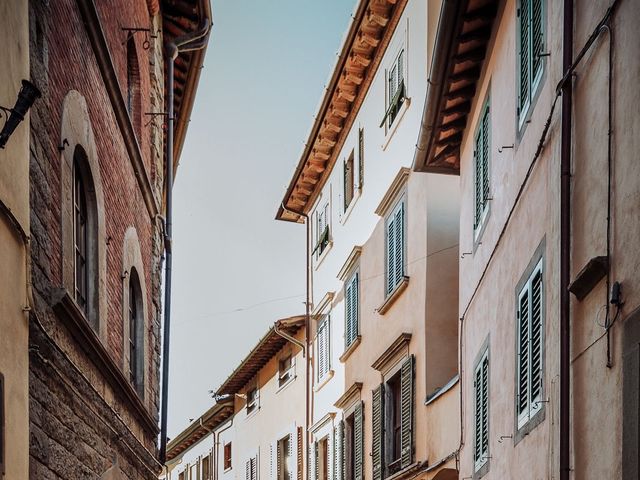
600,337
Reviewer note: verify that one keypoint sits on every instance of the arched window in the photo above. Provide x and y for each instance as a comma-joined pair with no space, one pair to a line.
133,85
136,333
85,227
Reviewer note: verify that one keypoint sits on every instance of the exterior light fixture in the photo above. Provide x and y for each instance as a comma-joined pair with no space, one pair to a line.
27,95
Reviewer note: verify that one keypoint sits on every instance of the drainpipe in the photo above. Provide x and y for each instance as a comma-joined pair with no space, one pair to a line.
565,244
286,336
192,41
307,334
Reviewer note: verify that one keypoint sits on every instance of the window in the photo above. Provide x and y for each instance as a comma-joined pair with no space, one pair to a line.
181,476
481,412
349,435
395,247
285,458
322,459
251,469
136,333
322,229
205,468
529,360
324,350
352,307
227,456
253,400
395,89
481,149
81,241
285,369
348,183
392,417
530,54
193,472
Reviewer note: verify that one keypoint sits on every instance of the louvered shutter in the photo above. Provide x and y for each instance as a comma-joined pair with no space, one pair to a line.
348,314
360,157
477,432
275,457
522,399
358,447
392,82
300,453
481,412
406,412
485,407
390,254
399,244
355,306
254,468
477,160
293,454
525,55
339,451
314,461
536,342
537,34
377,431
400,68
247,474
485,158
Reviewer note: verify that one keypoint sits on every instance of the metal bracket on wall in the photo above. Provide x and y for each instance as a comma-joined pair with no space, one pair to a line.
131,31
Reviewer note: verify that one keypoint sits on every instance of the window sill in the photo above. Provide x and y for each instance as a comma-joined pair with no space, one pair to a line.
528,427
478,232
323,255
253,413
324,381
354,200
350,349
442,390
405,472
396,121
393,296
227,470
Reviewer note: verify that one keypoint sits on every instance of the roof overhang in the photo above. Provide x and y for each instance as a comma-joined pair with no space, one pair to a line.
464,31
181,17
266,348
200,428
371,29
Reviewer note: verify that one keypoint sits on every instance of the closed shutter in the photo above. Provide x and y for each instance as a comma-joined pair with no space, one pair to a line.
377,419
351,310
406,412
324,363
314,461
481,412
360,157
537,34
254,468
477,182
530,338
390,254
485,157
400,68
525,55
358,447
300,453
399,244
481,154
339,450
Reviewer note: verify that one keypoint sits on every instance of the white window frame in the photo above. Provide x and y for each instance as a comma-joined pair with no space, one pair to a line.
291,371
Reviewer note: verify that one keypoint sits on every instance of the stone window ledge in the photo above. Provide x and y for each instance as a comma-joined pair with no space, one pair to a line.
393,296
350,349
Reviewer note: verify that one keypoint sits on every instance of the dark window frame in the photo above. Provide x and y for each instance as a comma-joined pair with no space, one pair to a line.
228,456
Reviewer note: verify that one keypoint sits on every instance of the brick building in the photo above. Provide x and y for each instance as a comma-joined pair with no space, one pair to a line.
96,203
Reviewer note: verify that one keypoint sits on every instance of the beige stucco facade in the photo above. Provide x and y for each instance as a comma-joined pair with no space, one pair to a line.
14,222
523,227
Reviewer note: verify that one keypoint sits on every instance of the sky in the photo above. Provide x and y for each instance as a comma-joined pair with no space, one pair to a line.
236,269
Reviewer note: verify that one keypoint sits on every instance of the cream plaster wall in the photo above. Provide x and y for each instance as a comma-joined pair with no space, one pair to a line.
14,194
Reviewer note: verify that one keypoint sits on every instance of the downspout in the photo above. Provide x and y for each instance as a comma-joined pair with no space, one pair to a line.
286,336
565,243
307,333
173,48
216,444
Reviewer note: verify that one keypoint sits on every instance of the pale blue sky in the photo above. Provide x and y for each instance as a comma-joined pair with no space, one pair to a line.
236,269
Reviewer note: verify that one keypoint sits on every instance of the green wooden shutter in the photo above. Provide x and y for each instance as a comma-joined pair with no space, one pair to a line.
355,307
399,244
360,157
390,254
377,419
525,55
348,314
536,340
485,408
481,412
477,160
537,37
485,158
477,432
406,412
523,357
358,447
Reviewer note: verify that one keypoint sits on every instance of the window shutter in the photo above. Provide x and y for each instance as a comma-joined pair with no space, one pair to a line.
536,340
339,451
537,34
523,357
274,463
399,245
300,453
360,157
485,158
525,54
481,413
377,419
485,408
477,182
477,434
355,306
390,254
406,412
400,67
348,314
358,450
248,470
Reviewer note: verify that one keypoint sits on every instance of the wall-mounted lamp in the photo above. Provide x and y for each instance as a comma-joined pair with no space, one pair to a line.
27,95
